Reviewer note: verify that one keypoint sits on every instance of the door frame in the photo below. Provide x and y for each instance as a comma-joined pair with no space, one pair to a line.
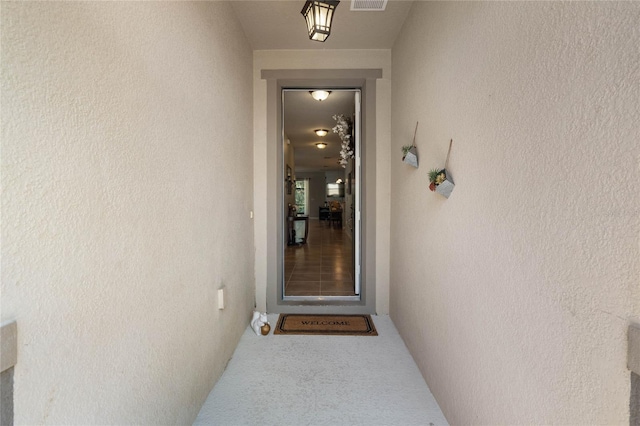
356,237
365,80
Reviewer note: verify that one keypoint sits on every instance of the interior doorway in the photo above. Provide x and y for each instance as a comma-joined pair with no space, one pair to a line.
321,196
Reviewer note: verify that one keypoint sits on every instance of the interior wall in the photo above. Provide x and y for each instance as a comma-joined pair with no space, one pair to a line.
289,160
334,175
127,185
321,60
514,295
348,215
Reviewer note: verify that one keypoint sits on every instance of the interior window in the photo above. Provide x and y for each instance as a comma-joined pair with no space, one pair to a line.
302,196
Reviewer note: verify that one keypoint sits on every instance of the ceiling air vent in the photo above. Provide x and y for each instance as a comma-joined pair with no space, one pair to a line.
368,5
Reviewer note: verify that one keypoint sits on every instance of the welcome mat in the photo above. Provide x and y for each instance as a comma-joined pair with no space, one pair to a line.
345,325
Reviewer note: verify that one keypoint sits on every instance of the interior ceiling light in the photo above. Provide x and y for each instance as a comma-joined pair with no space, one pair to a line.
319,14
320,95
321,145
321,132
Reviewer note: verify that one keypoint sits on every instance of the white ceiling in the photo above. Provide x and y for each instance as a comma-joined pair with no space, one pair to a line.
275,25
302,115
278,24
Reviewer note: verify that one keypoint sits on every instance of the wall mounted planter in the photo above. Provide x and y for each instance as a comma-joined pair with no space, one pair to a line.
411,157
441,180
446,187
411,151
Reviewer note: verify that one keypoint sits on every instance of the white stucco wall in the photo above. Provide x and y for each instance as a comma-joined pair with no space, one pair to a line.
323,59
126,190
514,295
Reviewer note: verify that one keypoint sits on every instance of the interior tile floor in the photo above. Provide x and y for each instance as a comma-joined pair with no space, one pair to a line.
323,266
321,380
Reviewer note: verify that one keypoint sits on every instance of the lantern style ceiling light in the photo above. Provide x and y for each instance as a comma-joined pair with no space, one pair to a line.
321,145
319,95
321,132
319,14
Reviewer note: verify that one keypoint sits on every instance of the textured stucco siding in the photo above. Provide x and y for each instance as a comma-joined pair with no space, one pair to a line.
126,191
514,295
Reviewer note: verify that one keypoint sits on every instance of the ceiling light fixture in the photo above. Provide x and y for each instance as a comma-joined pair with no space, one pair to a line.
318,14
321,145
320,95
321,132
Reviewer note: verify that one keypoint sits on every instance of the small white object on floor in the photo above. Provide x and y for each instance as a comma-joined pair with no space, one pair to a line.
258,321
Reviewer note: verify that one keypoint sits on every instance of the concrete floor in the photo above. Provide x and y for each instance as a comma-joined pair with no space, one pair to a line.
322,380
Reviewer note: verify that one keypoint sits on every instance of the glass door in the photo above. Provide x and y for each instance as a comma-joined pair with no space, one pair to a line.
321,144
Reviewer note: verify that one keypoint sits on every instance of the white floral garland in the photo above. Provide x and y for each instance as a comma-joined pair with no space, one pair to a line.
342,128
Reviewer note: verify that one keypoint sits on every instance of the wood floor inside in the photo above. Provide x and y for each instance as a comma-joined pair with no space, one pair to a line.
323,266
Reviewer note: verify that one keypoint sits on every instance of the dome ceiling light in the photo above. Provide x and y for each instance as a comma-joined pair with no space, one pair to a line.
321,145
321,132
320,95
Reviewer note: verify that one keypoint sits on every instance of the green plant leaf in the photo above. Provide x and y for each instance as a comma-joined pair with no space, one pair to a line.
433,175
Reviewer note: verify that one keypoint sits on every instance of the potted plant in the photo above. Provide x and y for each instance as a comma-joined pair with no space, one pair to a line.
440,180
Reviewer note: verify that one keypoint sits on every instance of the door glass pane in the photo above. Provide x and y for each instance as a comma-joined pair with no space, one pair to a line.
322,238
